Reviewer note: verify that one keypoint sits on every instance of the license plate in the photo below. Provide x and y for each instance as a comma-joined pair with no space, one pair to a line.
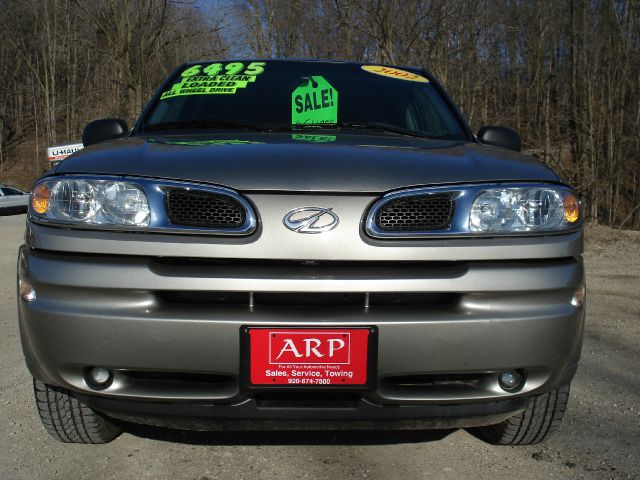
311,357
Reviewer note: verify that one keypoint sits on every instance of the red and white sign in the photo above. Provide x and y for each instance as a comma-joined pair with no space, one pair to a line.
283,356
61,152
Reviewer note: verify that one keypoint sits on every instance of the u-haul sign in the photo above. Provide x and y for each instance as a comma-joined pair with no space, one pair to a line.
55,154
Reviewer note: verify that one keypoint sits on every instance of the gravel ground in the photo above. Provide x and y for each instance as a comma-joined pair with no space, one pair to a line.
599,437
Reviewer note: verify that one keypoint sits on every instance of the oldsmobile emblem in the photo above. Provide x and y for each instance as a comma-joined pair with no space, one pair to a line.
311,220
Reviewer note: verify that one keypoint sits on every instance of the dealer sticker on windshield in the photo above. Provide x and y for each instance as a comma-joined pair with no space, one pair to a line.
305,356
215,78
395,73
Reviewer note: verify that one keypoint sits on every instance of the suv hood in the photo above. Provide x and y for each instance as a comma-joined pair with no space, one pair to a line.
303,162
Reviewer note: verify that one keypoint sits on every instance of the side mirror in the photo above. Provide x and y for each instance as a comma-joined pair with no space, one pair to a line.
500,137
104,129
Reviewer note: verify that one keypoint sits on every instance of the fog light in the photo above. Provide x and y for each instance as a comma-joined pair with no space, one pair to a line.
27,293
510,381
99,375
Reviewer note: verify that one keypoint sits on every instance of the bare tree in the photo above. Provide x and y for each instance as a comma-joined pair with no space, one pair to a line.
566,74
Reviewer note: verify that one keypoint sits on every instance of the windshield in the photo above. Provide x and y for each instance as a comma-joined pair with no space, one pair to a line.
281,95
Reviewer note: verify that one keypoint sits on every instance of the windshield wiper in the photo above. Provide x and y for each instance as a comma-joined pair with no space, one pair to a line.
222,124
200,124
383,127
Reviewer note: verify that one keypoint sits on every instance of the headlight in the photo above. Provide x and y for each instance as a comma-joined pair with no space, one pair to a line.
475,210
90,202
523,209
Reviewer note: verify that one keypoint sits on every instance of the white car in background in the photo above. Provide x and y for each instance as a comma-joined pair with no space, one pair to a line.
13,201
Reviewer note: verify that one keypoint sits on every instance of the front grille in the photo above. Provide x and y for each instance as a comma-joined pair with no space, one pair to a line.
309,299
416,213
199,208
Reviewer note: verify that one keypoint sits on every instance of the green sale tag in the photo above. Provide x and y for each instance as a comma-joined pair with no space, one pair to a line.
314,102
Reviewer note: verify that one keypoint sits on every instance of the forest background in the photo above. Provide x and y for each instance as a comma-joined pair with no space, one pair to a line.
565,74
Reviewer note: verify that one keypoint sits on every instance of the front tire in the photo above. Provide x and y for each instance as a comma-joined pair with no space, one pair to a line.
69,420
541,417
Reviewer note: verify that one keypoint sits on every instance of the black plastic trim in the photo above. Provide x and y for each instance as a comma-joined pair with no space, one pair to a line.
249,409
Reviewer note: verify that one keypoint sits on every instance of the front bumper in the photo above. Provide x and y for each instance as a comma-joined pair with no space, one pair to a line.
319,412
129,314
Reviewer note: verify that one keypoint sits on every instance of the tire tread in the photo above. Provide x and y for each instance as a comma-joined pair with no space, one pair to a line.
542,416
69,420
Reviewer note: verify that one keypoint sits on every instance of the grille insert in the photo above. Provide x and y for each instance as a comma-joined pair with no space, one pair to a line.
200,208
416,213
309,299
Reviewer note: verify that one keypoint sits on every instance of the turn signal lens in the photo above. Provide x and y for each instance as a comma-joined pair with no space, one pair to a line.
27,293
578,297
40,199
571,209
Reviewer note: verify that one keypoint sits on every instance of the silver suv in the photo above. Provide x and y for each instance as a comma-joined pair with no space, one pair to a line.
301,244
